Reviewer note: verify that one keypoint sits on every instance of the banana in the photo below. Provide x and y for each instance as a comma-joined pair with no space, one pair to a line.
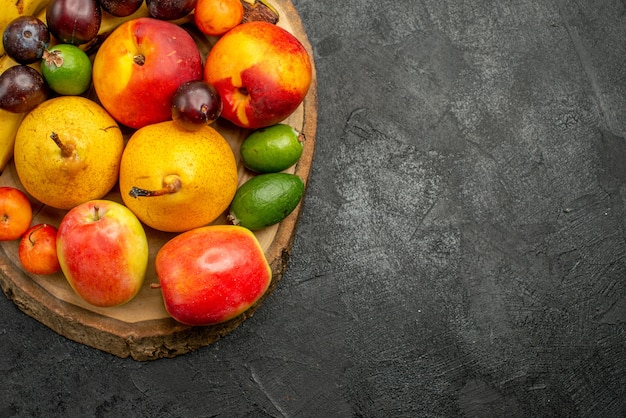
110,22
9,122
11,9
107,25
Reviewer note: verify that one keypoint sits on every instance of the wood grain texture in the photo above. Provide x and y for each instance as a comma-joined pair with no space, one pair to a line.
142,329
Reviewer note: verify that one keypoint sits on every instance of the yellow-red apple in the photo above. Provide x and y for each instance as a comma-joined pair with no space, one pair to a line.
37,250
262,73
211,274
103,252
139,67
16,213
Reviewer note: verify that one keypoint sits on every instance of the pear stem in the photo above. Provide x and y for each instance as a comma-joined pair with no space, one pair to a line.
66,150
171,184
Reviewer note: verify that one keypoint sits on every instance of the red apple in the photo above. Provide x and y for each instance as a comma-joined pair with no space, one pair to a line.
139,67
211,274
37,250
103,252
16,213
262,73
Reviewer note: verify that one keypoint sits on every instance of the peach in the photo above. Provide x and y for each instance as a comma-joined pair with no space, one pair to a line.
262,73
139,67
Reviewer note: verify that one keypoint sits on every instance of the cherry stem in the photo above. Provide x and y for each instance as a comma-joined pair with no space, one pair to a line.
171,184
66,150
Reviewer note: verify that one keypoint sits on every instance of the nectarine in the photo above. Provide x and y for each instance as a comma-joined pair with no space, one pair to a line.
139,67
262,73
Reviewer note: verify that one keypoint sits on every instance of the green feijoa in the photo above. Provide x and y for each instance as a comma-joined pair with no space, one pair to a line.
265,200
271,149
67,69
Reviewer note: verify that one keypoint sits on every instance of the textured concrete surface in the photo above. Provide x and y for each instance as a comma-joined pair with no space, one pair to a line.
462,251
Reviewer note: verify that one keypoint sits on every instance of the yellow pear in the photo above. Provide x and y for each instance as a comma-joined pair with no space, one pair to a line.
175,180
68,151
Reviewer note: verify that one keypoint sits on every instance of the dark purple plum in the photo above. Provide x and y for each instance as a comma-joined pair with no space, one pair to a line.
74,22
25,38
196,104
170,9
22,88
120,8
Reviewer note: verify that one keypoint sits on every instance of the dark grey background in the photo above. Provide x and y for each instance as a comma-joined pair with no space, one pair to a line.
462,249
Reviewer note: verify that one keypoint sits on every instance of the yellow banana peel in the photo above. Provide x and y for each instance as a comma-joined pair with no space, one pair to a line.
109,22
9,123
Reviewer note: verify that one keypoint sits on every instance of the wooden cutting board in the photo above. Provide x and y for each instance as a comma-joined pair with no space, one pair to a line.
142,329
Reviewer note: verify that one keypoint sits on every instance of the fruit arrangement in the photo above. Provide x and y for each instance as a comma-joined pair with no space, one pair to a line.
148,151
